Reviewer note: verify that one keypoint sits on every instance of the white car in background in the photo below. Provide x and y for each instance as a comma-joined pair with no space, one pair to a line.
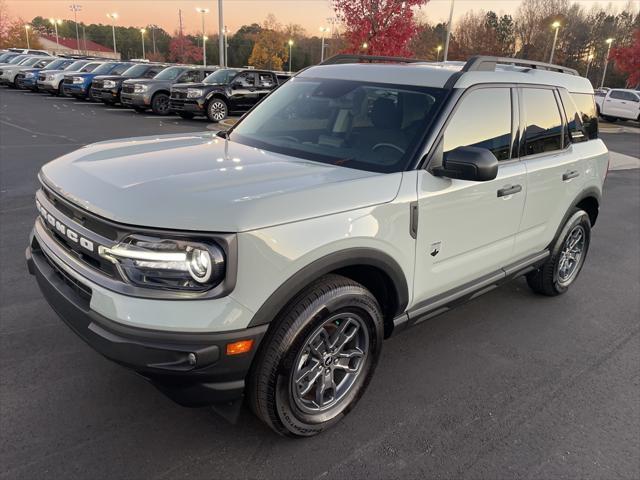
8,72
619,104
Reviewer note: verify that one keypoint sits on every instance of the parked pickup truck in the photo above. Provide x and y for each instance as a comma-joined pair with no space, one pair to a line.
618,104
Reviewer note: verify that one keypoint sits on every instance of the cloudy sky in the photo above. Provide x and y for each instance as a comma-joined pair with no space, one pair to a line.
311,14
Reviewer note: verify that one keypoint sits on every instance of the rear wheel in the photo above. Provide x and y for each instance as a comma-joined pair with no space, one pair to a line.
217,110
319,358
160,104
567,257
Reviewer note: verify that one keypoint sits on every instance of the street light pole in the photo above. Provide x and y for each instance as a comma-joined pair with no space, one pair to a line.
438,50
203,12
290,47
142,30
446,43
223,60
113,17
555,25
26,31
55,23
606,61
324,30
75,8
226,46
589,60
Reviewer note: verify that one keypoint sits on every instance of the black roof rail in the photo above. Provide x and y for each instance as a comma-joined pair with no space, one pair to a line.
353,58
483,63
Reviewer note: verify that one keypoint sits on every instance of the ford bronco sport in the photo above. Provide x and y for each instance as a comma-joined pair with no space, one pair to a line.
268,263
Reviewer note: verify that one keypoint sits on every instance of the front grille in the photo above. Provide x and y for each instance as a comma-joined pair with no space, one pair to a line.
68,80
97,84
42,78
178,94
128,89
83,291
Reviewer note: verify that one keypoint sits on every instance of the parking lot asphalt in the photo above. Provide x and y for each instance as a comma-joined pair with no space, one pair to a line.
510,385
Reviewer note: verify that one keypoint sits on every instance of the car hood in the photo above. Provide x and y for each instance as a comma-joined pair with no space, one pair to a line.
204,183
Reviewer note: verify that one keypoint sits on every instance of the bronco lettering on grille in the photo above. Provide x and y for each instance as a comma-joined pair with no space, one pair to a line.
65,231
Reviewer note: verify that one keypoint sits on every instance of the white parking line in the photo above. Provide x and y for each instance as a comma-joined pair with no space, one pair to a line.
162,117
118,110
58,98
84,103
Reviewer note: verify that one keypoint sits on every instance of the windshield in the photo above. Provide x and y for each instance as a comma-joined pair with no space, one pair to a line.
56,64
367,126
90,67
221,76
5,57
135,71
30,61
19,59
104,68
170,73
75,66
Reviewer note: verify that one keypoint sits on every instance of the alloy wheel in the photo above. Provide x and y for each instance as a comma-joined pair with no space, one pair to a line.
330,362
217,110
571,256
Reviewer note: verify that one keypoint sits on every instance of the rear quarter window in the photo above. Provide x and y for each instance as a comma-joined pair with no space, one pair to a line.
586,106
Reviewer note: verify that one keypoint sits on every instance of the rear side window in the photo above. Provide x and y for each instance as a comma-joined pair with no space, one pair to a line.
586,105
266,80
576,131
483,119
543,122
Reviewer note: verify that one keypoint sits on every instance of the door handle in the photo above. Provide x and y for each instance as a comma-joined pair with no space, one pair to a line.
509,190
569,175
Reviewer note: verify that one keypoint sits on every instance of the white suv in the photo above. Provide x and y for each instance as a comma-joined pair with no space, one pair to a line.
269,262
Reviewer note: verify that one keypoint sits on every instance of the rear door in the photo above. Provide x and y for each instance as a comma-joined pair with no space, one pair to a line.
554,171
266,82
466,230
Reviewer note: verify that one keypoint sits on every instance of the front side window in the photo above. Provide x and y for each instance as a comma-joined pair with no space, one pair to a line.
367,126
222,76
617,95
483,120
190,77
246,80
543,122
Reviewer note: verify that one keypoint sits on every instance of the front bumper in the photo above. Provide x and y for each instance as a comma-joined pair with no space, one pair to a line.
135,99
47,86
192,369
24,82
75,90
109,95
191,106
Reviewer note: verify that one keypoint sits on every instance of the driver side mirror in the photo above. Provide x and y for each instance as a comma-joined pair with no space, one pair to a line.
468,163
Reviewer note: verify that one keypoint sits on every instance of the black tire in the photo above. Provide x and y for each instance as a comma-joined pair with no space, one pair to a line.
160,104
610,119
186,115
270,389
548,279
217,110
60,91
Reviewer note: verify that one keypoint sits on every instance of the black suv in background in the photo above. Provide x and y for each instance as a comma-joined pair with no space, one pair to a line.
226,91
108,87
141,94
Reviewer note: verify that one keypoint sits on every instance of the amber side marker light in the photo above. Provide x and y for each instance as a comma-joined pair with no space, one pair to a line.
242,346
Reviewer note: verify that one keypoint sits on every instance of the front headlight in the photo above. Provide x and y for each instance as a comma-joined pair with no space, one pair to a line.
194,92
78,80
168,263
138,88
109,84
50,78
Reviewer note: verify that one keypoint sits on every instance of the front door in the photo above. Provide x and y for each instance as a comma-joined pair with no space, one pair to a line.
466,230
244,93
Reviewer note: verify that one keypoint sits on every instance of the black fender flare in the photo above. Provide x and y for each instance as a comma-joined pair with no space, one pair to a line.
358,256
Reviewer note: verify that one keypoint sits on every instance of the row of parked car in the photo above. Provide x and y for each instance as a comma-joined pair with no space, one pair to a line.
186,90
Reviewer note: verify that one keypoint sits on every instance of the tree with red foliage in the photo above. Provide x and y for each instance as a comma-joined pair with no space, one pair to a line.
627,60
182,50
378,27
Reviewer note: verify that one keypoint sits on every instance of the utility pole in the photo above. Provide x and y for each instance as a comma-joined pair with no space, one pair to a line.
84,39
26,32
223,60
153,37
555,25
75,8
446,43
203,12
324,30
113,17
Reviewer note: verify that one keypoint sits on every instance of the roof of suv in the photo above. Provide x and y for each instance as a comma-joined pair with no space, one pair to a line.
431,74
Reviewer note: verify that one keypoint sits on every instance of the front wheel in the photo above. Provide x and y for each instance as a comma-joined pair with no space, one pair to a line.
317,361
567,257
217,110
160,104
